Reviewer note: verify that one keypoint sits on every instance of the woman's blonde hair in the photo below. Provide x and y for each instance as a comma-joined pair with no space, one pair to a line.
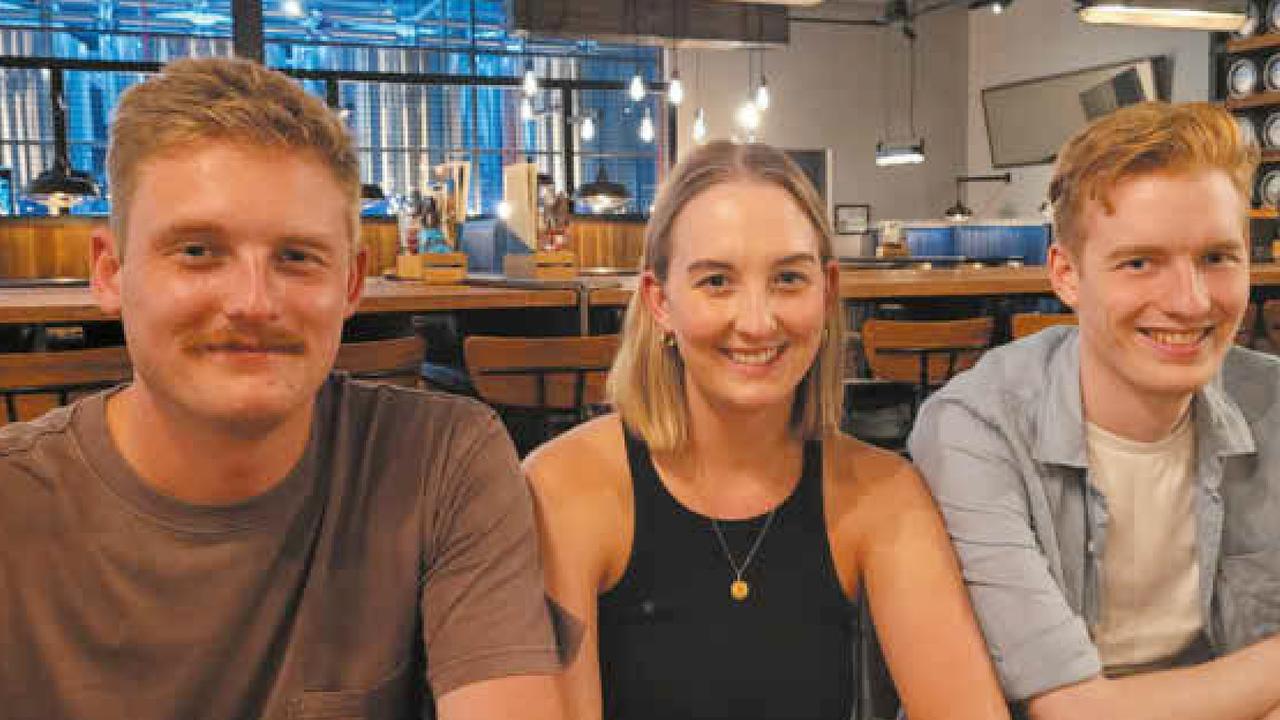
646,383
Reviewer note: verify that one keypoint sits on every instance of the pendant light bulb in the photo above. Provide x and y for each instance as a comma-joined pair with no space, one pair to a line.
526,109
636,89
529,84
587,131
762,95
700,126
748,116
646,127
675,90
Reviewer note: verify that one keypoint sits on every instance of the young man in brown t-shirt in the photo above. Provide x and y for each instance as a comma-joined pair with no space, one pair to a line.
236,533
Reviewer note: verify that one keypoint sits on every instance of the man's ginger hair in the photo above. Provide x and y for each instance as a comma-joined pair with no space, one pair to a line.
237,101
1151,138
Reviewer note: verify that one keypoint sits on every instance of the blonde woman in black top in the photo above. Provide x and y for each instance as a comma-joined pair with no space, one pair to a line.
716,533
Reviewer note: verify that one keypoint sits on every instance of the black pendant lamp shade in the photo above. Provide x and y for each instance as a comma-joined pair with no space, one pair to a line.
602,194
62,186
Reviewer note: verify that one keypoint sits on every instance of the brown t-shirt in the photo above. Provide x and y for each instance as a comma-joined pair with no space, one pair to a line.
405,530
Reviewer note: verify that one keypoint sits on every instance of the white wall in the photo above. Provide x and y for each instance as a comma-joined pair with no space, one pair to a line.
1035,38
828,89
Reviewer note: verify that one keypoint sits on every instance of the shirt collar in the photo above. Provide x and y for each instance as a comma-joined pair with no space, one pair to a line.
1220,426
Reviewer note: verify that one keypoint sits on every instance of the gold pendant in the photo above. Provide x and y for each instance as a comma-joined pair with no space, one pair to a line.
738,590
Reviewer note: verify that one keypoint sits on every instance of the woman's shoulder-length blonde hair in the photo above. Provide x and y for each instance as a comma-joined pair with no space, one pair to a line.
646,383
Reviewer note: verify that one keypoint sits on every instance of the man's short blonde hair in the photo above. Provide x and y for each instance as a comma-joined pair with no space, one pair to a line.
229,100
1145,139
646,383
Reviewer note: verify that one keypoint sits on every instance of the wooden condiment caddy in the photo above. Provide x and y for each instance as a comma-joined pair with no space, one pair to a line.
542,265
433,268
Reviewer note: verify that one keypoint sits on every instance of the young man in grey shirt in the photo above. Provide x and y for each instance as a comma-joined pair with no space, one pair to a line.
237,533
1113,492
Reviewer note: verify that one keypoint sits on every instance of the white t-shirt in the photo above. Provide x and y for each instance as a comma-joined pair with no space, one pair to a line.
1150,580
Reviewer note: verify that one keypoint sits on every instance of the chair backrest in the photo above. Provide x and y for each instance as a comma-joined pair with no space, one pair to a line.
1025,324
540,373
1271,323
396,362
34,383
895,349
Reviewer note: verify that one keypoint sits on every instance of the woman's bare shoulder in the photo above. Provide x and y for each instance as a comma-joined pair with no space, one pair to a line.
586,460
865,480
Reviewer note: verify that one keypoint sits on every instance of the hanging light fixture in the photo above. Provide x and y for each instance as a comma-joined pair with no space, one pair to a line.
602,194
961,212
529,83
198,14
997,7
700,126
587,128
1217,15
762,90
61,186
748,116
526,109
635,89
293,8
911,152
646,127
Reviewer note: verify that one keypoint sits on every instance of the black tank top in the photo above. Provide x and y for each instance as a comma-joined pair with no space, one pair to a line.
675,646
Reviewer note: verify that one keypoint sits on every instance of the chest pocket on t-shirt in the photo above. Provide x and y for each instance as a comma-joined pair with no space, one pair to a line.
391,699
1248,598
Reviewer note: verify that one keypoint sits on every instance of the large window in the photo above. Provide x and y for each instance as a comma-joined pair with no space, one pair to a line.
420,82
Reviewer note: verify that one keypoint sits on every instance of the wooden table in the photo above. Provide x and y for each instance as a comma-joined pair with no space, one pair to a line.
41,305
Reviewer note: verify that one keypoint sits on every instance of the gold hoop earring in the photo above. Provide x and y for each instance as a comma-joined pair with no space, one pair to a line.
669,340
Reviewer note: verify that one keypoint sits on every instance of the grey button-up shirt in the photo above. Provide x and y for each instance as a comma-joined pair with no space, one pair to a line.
1002,446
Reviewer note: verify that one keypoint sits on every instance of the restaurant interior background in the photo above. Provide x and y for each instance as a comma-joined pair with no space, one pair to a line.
562,109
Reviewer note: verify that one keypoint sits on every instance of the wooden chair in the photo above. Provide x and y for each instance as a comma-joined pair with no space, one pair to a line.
396,362
34,383
557,380
1025,324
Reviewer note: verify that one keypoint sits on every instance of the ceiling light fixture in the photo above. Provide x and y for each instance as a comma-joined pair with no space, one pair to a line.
889,152
529,83
526,109
602,194
587,129
675,88
646,127
700,126
293,8
198,15
762,90
997,6
635,89
1217,15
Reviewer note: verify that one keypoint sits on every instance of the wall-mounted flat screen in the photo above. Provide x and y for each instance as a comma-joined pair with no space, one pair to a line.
1028,121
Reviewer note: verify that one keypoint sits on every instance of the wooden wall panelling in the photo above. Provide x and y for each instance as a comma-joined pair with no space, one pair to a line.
604,243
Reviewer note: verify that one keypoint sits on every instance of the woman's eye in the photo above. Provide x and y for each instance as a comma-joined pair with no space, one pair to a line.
792,278
714,281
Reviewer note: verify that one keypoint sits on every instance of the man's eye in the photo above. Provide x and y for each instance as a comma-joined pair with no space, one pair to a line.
1220,257
1135,264
791,278
195,250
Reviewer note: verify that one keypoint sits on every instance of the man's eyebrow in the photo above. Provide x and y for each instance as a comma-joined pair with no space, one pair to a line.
183,229
708,265
800,257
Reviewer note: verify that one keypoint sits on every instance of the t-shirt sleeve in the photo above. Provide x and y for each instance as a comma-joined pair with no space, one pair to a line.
484,608
1035,639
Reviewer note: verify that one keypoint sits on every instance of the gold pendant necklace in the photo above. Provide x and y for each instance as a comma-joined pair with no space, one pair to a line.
739,590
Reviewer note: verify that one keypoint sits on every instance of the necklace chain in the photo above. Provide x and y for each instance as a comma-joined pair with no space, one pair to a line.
739,570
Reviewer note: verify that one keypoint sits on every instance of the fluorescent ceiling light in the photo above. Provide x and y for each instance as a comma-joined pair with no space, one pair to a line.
1217,15
888,154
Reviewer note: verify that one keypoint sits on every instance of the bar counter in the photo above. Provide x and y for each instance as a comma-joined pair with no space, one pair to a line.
72,304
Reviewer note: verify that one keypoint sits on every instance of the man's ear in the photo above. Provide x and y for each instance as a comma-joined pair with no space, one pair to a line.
1064,274
355,280
105,271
